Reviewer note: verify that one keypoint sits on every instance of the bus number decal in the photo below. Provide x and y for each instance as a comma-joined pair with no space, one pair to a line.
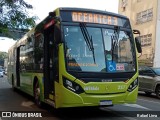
121,87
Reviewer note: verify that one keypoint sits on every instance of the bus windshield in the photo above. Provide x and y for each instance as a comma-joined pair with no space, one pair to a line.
98,49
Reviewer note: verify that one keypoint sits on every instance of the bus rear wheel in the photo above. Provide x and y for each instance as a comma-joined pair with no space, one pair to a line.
37,93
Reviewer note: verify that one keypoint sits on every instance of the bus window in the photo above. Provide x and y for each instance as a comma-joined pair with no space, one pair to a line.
78,55
38,52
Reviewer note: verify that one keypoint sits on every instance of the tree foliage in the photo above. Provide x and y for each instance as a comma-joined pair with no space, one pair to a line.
3,55
14,15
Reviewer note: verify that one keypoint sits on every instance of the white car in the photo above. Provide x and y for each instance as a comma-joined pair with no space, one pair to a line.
1,73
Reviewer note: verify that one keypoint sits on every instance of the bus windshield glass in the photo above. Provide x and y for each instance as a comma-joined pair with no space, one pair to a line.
98,49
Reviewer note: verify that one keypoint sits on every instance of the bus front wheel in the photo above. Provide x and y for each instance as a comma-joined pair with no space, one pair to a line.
158,91
37,93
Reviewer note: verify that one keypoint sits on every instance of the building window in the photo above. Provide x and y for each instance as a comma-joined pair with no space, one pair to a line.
150,14
144,16
146,40
139,1
124,4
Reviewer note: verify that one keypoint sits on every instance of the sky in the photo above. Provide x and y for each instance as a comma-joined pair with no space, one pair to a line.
41,8
6,43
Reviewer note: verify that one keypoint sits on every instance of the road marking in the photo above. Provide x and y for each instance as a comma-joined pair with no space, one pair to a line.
136,106
149,101
27,104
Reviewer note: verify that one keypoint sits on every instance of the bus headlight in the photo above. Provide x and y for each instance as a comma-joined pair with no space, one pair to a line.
71,85
133,85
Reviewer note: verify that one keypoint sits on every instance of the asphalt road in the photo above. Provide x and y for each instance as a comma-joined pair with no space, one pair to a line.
18,103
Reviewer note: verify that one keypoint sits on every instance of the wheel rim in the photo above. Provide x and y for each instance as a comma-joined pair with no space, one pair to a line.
37,95
158,92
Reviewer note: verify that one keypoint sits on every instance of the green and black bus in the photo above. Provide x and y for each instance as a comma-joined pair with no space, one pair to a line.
77,57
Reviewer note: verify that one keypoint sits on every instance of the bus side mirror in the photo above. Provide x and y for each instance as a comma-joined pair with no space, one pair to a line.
138,44
138,41
136,32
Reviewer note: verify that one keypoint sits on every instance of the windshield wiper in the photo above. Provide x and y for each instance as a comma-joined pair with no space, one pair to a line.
114,39
88,39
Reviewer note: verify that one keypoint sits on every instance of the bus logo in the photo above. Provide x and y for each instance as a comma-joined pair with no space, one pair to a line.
106,80
107,88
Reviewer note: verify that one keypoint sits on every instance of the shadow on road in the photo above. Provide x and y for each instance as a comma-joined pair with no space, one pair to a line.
153,96
81,113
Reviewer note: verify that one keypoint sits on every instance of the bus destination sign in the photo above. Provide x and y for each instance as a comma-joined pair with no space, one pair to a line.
94,18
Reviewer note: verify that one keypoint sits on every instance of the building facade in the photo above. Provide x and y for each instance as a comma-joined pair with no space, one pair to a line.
145,17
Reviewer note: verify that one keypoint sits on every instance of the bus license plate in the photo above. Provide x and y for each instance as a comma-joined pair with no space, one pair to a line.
106,102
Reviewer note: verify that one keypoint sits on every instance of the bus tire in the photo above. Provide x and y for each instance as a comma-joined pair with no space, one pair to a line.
158,91
37,95
148,93
13,87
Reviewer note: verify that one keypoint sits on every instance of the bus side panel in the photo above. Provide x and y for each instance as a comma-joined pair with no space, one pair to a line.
27,83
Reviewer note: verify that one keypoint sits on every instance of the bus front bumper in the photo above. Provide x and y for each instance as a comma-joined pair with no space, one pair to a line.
67,98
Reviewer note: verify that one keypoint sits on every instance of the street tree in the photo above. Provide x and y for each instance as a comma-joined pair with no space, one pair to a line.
14,14
3,56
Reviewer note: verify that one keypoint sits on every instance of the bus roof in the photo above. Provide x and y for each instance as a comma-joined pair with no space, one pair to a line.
66,14
89,10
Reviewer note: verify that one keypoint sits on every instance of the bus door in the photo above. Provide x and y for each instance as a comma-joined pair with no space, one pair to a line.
49,63
18,66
